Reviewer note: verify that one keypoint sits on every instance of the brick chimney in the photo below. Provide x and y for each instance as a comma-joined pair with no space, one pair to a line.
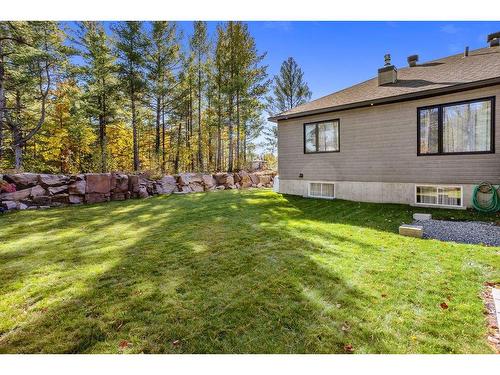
388,74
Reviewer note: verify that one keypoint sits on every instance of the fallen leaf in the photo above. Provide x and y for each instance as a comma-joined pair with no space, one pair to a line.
176,342
124,344
348,348
345,327
444,305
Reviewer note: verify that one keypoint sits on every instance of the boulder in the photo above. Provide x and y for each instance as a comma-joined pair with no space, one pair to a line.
37,191
185,189
245,182
22,206
167,185
208,181
42,200
78,187
236,177
47,180
220,187
119,183
22,180
133,183
196,187
120,196
254,178
187,178
58,189
98,183
75,199
16,195
96,197
264,179
9,205
60,198
221,178
143,191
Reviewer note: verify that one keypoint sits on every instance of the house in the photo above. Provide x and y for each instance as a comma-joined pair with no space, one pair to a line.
420,135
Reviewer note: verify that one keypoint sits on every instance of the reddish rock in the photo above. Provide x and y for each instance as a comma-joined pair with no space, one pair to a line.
208,181
58,189
167,185
119,183
47,180
96,198
78,187
187,178
16,195
75,199
38,191
254,178
196,187
264,179
98,183
22,180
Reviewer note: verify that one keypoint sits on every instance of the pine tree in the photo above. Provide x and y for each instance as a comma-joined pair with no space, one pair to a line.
199,47
162,58
130,48
99,74
289,89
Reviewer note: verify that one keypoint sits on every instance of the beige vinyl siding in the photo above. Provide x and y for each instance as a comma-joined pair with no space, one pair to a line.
379,143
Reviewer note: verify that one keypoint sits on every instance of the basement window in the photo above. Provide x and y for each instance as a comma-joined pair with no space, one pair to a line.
321,190
436,195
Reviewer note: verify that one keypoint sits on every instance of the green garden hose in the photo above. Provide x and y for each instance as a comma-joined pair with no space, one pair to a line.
490,205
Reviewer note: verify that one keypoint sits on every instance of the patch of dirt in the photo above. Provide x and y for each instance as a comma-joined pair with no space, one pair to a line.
493,329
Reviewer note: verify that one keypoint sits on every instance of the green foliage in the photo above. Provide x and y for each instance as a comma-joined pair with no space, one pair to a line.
289,88
237,272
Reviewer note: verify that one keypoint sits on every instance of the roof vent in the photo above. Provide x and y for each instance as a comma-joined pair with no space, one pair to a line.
466,51
387,74
412,60
494,39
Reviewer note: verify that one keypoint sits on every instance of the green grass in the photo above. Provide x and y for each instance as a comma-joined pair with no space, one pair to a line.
237,272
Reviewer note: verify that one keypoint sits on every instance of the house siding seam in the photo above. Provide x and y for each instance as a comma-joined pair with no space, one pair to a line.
379,144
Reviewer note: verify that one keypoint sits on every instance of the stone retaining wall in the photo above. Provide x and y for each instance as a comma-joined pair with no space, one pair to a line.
34,190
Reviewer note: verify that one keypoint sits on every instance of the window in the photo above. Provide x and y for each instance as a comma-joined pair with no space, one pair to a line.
456,128
450,196
321,137
321,190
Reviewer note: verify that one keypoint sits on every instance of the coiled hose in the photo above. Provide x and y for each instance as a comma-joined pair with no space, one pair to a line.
487,206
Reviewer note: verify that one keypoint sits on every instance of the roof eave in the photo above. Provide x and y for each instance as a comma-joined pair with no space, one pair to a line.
392,99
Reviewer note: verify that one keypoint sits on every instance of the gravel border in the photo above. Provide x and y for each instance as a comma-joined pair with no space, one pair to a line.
470,232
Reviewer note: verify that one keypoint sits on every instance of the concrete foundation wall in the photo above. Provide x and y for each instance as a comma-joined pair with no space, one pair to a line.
377,192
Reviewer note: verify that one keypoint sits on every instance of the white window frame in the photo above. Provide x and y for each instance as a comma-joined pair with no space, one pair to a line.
320,182
437,191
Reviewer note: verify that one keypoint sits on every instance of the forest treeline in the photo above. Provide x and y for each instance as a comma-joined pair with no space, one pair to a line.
134,96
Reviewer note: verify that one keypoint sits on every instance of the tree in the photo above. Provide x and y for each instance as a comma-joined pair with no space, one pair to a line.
289,89
130,48
199,47
99,76
162,58
36,58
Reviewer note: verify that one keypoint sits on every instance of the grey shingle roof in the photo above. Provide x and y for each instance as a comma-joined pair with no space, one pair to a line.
442,75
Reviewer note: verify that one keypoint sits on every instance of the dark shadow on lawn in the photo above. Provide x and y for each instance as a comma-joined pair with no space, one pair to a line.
213,290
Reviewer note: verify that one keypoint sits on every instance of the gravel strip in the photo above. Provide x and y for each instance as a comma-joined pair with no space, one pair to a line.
472,232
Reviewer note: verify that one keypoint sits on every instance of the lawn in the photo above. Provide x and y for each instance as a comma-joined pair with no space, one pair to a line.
237,272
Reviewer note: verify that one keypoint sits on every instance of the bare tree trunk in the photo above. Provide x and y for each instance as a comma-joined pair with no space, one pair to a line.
102,134
134,132
200,140
178,148
163,140
230,138
158,125
218,162
2,99
237,129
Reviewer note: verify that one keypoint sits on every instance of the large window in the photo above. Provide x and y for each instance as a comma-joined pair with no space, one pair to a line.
321,137
457,128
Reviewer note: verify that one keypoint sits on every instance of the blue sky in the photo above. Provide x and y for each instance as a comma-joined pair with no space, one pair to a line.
335,55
